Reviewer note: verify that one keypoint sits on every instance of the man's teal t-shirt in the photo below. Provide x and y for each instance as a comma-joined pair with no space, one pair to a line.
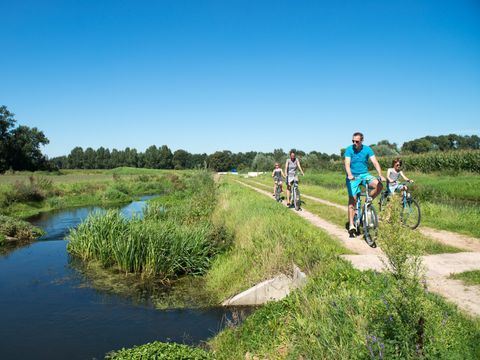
359,159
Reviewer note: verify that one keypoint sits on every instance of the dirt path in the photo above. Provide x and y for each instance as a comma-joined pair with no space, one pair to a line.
356,245
446,237
438,267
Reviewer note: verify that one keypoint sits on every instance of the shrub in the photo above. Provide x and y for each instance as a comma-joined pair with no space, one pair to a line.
114,195
159,350
18,229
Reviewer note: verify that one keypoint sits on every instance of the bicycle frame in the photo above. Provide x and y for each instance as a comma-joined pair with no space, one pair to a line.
365,214
358,205
294,197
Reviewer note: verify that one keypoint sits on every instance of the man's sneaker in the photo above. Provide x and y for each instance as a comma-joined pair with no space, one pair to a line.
352,230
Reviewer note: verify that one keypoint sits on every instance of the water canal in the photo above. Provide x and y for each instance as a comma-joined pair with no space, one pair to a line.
49,311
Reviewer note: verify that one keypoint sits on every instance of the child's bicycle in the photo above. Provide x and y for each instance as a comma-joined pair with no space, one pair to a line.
278,191
365,217
410,211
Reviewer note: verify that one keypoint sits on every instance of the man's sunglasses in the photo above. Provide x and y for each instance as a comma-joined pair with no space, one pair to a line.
356,141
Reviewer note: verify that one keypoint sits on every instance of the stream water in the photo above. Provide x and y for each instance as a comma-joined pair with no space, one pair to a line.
47,312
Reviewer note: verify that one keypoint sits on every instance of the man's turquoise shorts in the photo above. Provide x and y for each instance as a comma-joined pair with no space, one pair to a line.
353,186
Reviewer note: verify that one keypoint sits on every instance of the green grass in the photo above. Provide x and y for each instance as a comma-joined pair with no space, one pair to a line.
268,238
448,202
170,240
338,217
159,350
342,313
468,277
26,194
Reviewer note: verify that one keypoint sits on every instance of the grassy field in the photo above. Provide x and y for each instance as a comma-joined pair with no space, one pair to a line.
25,194
448,202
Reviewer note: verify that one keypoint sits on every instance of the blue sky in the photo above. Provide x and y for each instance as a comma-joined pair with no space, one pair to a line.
240,75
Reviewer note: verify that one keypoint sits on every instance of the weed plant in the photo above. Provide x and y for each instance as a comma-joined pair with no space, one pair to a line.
160,350
18,229
175,236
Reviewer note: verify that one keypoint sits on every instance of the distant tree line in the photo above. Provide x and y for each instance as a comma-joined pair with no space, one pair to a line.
426,144
20,145
162,158
20,150
441,143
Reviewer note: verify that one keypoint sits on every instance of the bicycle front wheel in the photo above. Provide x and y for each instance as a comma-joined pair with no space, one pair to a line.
277,193
296,200
410,214
370,224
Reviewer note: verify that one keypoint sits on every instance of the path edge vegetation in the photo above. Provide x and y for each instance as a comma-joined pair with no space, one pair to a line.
342,312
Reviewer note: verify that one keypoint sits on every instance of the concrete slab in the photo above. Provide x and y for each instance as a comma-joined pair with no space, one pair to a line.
269,290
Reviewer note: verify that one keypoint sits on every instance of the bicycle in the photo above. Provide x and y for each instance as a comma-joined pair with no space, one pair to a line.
365,216
295,195
278,191
410,211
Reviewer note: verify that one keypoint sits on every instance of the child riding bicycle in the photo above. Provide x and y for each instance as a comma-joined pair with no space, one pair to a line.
393,174
277,175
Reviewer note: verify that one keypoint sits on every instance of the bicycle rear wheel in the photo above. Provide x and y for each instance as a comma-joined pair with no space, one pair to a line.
370,224
410,214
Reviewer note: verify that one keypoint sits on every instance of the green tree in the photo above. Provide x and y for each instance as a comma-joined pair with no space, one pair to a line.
90,159
165,158
263,162
151,157
20,147
385,148
279,155
182,159
220,161
7,122
76,158
24,148
131,157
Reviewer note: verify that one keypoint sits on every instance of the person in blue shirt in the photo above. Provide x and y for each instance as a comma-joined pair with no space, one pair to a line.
356,168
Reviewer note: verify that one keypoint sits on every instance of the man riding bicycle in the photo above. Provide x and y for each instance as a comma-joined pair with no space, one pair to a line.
292,165
356,168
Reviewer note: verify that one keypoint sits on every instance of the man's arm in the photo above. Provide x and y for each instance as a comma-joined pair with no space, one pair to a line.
300,167
377,166
347,168
286,167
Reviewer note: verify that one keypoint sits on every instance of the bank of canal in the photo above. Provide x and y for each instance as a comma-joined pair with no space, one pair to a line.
47,310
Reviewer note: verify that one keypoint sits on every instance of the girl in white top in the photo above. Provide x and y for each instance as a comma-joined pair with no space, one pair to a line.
393,174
